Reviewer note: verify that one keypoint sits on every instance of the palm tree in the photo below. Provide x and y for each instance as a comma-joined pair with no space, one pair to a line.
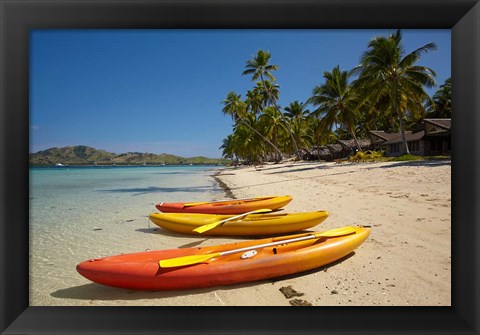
228,146
245,144
237,109
337,102
240,144
267,92
385,71
271,125
297,114
441,104
234,106
377,116
301,132
254,101
260,68
296,110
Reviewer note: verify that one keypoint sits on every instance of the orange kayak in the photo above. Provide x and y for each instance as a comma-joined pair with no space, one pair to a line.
190,268
234,206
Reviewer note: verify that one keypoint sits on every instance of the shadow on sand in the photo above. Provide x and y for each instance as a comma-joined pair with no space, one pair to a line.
153,189
99,292
434,163
300,169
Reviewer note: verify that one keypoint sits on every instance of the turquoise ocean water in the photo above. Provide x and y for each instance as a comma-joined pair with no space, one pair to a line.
82,213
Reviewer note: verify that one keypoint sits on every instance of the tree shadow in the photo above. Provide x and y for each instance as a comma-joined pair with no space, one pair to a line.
290,180
323,167
433,163
153,189
300,166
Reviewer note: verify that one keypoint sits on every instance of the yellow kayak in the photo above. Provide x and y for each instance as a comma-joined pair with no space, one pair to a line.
238,225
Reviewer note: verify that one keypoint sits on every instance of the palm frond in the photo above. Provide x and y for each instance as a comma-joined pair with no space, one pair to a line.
415,55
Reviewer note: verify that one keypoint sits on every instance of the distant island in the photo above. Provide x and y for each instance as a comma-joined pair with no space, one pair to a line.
84,155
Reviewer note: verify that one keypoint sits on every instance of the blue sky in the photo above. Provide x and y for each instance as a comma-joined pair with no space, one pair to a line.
161,91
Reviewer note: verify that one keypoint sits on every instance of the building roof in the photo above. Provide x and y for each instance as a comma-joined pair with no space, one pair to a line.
437,127
363,142
442,123
383,135
409,136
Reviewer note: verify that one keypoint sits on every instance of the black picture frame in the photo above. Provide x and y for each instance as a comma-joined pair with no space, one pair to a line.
17,17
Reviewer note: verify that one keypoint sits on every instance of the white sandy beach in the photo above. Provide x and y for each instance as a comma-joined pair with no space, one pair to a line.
407,259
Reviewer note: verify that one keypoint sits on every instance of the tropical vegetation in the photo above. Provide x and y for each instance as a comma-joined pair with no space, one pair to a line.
385,91
386,73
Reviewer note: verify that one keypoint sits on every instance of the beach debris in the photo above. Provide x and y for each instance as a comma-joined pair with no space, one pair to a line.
289,292
95,229
299,302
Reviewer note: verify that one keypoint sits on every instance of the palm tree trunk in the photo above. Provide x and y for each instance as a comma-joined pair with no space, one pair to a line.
402,130
294,142
263,137
278,157
400,119
295,146
356,140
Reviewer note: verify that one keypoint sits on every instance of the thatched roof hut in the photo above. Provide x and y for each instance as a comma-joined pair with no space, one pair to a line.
365,144
331,152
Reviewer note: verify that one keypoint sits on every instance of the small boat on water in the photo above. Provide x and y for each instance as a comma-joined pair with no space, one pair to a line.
233,206
227,264
60,165
238,225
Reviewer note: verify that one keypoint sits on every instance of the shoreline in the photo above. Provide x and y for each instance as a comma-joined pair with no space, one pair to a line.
407,259
225,188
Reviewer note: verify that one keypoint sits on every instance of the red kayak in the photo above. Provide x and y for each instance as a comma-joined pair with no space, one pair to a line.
234,206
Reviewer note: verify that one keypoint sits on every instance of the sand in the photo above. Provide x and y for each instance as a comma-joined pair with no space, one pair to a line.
407,259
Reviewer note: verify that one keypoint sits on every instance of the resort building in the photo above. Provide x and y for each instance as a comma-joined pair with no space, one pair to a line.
431,137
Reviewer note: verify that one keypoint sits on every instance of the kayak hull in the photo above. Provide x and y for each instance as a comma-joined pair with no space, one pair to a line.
234,206
249,225
141,271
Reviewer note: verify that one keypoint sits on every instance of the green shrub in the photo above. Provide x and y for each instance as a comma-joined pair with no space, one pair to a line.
406,157
369,155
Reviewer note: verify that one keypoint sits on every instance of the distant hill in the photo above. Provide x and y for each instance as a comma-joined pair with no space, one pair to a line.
84,155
